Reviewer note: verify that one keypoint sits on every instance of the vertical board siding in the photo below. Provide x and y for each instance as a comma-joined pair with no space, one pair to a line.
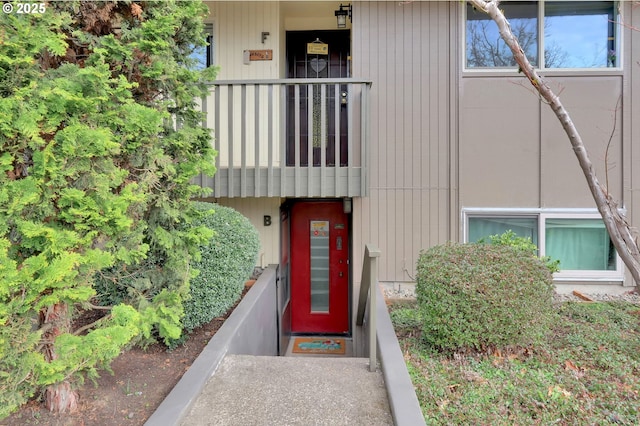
404,49
631,117
238,27
432,150
255,209
527,161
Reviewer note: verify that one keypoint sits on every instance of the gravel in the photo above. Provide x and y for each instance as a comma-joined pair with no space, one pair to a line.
630,296
407,291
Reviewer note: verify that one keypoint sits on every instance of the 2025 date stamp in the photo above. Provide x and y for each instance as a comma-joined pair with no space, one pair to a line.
21,8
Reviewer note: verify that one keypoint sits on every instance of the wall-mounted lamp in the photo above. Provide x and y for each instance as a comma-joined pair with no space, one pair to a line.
347,205
342,14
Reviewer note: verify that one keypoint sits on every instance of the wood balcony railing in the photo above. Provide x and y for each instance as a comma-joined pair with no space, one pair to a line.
289,137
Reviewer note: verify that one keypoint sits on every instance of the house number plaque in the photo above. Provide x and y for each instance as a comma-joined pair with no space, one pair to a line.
260,55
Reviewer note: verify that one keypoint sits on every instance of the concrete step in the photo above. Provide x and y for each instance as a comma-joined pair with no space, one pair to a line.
261,390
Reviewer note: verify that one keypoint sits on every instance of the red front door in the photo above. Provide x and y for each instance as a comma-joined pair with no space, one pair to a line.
319,268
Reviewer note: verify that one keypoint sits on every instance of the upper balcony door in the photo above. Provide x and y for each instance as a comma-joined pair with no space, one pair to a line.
322,118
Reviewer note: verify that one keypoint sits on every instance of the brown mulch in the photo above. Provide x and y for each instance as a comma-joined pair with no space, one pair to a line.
141,381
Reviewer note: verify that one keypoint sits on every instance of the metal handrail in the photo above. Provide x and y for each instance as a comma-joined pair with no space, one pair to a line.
367,283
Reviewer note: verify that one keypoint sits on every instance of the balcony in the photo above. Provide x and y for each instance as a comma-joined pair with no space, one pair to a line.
289,137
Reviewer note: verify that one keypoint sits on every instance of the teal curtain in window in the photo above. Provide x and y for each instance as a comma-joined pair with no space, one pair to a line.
579,244
482,227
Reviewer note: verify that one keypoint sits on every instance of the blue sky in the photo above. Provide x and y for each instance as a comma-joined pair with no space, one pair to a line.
584,37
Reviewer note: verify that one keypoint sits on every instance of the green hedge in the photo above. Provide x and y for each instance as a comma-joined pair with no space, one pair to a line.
480,296
227,262
510,238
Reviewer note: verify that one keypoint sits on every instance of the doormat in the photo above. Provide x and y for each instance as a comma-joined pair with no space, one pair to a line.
319,345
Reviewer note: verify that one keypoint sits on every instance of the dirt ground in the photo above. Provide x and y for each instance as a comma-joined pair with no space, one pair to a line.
141,381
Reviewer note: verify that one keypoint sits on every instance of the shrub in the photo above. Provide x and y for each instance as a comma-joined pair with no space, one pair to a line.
510,238
227,262
409,318
94,173
480,296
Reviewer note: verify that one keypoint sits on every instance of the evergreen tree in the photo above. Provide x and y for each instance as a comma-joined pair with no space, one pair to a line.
100,137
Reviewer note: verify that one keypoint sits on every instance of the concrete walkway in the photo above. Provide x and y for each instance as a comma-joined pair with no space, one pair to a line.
258,390
238,380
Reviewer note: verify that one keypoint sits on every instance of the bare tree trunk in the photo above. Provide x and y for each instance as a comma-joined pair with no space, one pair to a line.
59,397
623,236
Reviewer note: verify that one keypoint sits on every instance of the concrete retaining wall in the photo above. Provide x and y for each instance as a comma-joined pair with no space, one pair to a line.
405,408
250,330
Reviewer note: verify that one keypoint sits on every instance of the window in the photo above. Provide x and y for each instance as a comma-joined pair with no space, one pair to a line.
553,34
481,227
580,244
579,240
204,55
485,48
580,34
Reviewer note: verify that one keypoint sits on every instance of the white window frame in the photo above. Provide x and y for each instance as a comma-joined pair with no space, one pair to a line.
616,275
541,66
568,274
